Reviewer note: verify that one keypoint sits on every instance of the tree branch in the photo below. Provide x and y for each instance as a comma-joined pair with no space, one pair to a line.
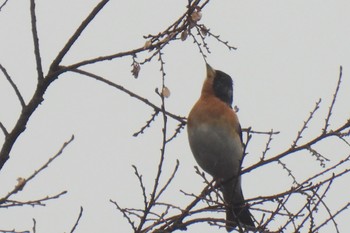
3,4
132,94
333,100
4,130
13,85
75,36
36,41
22,182
78,219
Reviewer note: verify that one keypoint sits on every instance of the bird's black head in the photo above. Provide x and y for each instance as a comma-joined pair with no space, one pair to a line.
222,86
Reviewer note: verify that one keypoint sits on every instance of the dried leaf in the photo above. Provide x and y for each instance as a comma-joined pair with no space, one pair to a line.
148,44
204,31
135,69
166,92
196,15
20,183
184,35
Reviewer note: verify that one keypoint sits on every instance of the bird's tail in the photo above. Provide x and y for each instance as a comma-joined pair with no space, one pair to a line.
237,212
238,215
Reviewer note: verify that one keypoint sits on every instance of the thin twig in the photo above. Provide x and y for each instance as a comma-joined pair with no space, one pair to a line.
132,94
124,212
176,221
169,180
154,192
34,225
13,85
78,219
345,207
143,188
305,125
3,4
23,182
333,100
40,202
76,35
148,124
299,148
4,130
267,146
178,129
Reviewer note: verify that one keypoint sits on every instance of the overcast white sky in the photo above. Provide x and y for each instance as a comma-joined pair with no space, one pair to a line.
289,54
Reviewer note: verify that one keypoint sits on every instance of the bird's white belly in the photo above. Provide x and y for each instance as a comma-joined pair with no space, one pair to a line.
215,150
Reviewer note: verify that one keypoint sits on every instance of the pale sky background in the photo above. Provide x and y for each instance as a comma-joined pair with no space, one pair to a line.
289,54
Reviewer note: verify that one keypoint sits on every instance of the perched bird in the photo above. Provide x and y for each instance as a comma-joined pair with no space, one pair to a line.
215,138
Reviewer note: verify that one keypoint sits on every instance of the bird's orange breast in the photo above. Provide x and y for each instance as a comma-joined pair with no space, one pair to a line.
212,111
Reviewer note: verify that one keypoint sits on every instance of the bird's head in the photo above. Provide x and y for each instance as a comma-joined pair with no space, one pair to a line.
219,84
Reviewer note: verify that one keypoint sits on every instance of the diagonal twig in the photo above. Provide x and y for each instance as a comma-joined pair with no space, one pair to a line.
78,219
13,85
132,94
4,130
3,4
22,182
76,35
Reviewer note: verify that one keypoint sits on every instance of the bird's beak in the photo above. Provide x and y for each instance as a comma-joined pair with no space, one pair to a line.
210,71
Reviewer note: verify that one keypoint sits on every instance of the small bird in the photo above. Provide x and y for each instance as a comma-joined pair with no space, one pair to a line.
215,138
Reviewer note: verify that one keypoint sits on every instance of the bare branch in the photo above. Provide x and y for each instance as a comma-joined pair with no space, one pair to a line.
23,119
78,219
305,125
148,124
331,218
143,188
217,37
267,146
4,130
333,100
284,166
36,41
260,132
13,85
154,192
76,35
125,214
132,94
178,129
3,4
38,202
34,225
299,148
22,182
169,180
13,231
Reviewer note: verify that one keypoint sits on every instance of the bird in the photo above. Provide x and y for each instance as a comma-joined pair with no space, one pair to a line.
215,139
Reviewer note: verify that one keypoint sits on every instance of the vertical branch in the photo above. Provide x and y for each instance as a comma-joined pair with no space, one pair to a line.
165,119
36,41
154,195
267,146
34,225
333,100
